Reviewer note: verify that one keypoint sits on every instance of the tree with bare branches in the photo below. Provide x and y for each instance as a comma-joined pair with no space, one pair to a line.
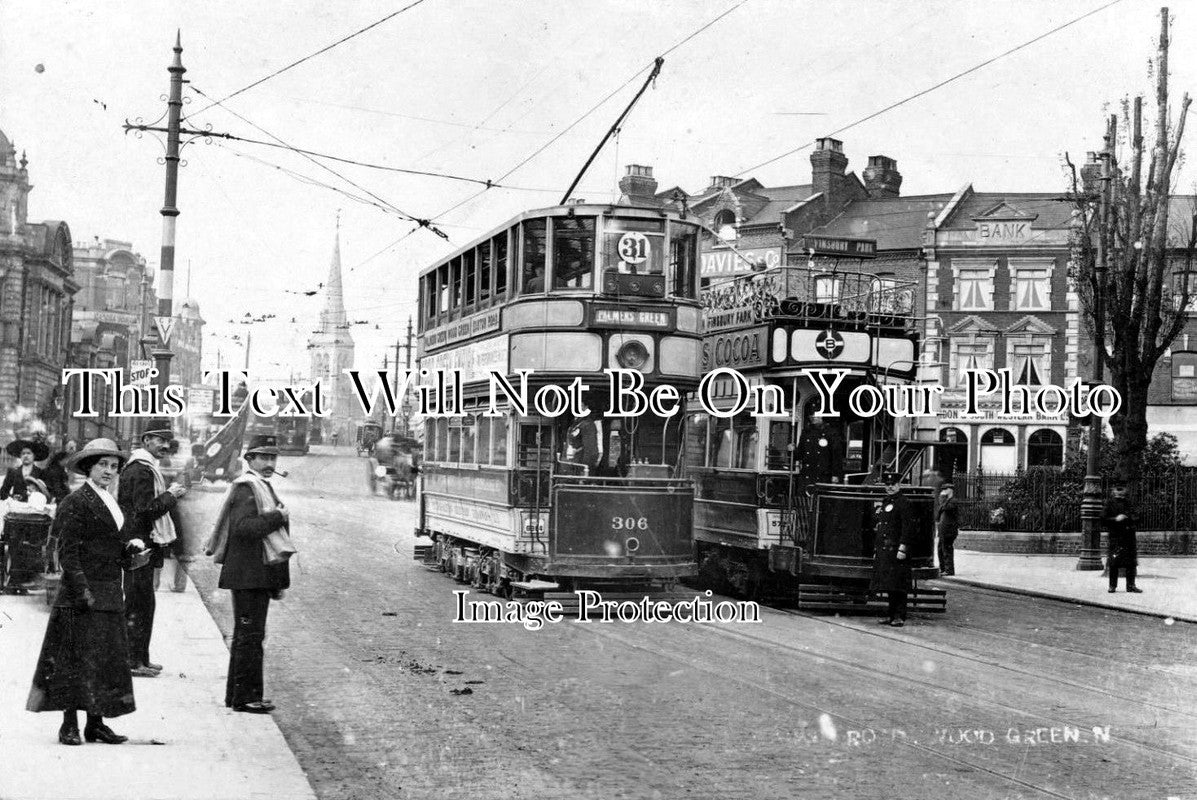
1132,256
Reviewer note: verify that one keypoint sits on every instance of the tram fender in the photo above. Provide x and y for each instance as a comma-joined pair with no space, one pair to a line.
783,558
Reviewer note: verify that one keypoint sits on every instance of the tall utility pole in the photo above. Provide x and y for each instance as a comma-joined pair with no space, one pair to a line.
166,269
1093,500
406,405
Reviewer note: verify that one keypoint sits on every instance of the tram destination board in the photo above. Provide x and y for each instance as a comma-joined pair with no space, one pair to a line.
838,246
604,315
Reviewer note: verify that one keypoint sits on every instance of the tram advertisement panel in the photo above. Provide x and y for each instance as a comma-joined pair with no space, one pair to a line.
645,523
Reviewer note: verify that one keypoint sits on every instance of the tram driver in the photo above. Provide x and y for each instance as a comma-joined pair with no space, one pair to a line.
821,449
584,442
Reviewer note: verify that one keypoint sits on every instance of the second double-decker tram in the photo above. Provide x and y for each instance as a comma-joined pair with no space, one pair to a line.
529,499
784,497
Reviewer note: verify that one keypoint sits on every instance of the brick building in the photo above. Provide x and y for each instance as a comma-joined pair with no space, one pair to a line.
37,286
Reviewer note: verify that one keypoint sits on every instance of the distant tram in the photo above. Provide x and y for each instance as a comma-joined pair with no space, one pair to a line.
541,502
784,502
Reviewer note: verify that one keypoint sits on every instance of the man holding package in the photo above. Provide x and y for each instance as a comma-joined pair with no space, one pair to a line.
252,542
146,502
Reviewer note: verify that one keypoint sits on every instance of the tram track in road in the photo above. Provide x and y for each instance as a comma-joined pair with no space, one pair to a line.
762,641
1070,651
697,665
955,653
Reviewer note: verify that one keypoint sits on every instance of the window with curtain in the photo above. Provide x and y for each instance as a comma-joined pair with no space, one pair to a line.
974,290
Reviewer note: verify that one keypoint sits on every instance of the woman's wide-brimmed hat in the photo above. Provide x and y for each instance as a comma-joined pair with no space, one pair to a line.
40,451
82,461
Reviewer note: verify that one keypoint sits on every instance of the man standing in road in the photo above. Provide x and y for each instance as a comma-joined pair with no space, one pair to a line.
1122,548
251,512
947,523
893,525
146,502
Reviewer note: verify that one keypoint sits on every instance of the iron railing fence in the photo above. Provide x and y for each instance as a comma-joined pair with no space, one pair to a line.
1045,500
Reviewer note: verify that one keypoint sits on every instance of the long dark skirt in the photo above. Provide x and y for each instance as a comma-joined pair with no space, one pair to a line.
84,665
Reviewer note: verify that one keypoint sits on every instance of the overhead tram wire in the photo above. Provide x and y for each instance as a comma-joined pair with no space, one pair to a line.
939,85
402,170
308,57
595,107
420,223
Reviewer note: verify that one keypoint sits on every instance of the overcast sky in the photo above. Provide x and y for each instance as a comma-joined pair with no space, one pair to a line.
474,88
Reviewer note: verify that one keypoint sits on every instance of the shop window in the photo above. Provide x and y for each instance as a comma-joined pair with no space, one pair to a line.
1184,376
1045,448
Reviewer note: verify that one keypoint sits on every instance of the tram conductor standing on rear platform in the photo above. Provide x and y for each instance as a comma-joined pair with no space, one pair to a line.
893,528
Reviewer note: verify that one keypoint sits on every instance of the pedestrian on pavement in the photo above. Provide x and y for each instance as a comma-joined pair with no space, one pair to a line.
893,527
947,523
147,502
252,511
58,481
1121,546
84,662
27,451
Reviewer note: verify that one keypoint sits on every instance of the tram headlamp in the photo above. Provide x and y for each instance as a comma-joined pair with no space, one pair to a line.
632,355
380,471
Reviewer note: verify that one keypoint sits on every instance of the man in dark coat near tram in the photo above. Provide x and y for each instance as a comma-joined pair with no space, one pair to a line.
821,451
1122,548
893,529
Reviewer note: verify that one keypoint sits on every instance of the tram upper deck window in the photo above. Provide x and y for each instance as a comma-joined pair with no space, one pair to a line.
573,252
442,282
429,297
683,259
455,292
485,270
500,251
533,266
634,246
469,269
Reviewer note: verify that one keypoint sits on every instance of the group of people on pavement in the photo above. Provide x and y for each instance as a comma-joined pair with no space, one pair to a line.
101,623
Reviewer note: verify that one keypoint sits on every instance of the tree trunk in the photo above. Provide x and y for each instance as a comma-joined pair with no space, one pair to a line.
1131,439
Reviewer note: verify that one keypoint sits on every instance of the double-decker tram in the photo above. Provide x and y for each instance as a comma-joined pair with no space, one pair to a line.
784,497
542,497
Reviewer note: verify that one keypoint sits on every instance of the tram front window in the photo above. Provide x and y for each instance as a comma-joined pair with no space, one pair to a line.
532,271
683,250
634,246
573,253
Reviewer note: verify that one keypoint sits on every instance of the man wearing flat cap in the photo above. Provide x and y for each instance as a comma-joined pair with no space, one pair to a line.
27,451
252,512
147,501
893,528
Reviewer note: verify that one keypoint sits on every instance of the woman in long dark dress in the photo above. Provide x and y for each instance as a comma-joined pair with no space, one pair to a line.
84,660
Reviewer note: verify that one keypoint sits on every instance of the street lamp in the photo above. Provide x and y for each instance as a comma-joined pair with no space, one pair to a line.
1093,499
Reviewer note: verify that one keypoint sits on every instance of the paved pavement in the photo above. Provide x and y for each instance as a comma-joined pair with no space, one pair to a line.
207,751
1168,584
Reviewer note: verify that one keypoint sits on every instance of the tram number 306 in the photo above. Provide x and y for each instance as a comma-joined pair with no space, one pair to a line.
629,523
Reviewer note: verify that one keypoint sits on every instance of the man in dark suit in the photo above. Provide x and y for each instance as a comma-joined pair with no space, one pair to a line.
252,511
821,451
947,521
1122,548
893,525
147,501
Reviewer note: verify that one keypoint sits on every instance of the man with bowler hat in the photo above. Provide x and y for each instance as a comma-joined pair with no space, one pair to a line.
947,522
893,527
1122,548
251,512
146,502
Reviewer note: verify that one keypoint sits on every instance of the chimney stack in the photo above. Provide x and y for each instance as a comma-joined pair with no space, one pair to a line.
828,164
1091,175
638,186
882,178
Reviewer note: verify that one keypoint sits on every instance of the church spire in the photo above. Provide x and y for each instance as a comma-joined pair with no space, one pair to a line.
332,318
